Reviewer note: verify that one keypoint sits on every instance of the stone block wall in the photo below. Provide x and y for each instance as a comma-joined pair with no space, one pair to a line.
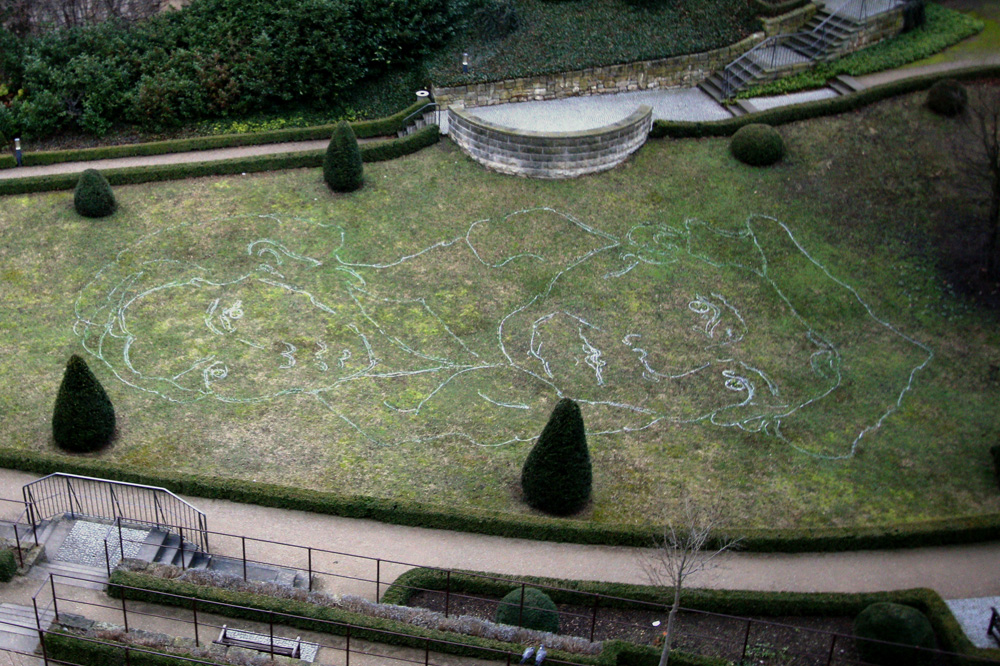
789,22
548,154
685,70
877,28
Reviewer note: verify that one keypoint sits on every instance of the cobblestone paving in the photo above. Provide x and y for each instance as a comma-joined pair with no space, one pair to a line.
85,544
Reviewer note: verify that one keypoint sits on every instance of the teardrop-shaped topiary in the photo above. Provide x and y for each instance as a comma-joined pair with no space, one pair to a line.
539,611
93,196
557,475
900,626
757,145
947,97
342,168
83,419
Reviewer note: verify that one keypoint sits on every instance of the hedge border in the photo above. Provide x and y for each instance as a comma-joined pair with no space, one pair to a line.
256,608
678,129
62,646
370,152
943,531
729,602
363,129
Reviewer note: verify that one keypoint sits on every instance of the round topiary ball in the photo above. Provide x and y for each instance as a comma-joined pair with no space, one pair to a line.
947,97
539,610
93,196
895,623
757,145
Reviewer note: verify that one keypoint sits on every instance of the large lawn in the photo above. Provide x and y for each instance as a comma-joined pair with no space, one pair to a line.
779,339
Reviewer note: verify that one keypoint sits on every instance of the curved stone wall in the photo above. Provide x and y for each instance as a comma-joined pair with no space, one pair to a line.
548,154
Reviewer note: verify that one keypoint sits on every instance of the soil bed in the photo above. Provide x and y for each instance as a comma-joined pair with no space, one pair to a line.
796,640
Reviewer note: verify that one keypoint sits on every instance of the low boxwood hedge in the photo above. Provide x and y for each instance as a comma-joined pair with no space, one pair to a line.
370,152
312,617
67,648
943,531
825,107
742,603
363,129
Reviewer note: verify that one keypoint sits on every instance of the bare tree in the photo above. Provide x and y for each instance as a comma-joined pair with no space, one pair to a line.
690,544
24,16
979,151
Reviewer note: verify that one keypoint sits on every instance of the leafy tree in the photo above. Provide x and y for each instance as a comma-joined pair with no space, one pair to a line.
557,475
93,196
83,419
342,167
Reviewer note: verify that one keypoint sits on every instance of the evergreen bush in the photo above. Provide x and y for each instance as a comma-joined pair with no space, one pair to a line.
757,144
902,625
995,454
8,565
539,611
495,19
947,97
83,419
93,196
557,475
342,168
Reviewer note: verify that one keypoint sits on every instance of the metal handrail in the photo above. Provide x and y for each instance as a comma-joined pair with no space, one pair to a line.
818,37
425,109
61,493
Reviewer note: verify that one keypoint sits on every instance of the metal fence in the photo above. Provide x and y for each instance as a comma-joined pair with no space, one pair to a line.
14,526
83,496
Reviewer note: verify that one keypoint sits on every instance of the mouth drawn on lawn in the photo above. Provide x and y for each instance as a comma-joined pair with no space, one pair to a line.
666,325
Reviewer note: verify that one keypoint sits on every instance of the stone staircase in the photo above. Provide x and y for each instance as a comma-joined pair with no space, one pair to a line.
419,122
166,548
18,630
826,37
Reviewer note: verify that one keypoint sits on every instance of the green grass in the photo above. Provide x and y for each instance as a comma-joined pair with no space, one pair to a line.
983,44
862,194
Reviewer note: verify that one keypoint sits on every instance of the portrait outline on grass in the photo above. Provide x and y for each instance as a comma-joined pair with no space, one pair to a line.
652,328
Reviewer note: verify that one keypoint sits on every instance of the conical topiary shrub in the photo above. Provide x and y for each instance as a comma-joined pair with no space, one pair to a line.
83,419
93,196
539,612
342,168
556,477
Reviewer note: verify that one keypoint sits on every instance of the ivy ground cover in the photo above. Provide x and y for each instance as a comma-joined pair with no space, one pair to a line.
780,340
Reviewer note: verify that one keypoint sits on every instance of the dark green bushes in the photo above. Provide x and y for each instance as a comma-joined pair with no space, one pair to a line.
538,611
8,565
215,58
995,454
83,419
947,97
557,475
757,145
893,623
93,196
342,168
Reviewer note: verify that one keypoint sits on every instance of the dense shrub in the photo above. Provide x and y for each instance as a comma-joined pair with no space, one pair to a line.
757,145
894,623
342,168
495,19
947,97
8,565
995,454
83,419
914,14
539,610
93,196
557,475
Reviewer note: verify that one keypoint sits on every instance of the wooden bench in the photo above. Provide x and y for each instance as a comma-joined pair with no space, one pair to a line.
260,642
994,628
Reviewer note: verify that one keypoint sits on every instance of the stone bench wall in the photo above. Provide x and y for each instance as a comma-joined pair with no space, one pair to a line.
548,154
685,70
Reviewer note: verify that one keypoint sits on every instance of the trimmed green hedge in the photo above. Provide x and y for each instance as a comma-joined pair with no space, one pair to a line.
742,603
312,617
943,531
75,650
363,129
815,109
8,564
370,152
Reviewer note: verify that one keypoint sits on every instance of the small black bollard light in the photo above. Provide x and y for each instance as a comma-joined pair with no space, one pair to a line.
465,63
17,151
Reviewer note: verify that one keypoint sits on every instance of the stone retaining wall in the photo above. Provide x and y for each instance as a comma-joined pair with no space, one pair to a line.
877,28
548,154
685,70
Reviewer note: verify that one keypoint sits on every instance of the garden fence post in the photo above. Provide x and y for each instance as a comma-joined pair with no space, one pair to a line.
520,611
833,644
347,648
593,620
41,634
183,567
310,555
270,618
378,578
121,543
447,592
427,652
55,603
194,612
17,539
243,540
107,557
746,640
128,661
124,612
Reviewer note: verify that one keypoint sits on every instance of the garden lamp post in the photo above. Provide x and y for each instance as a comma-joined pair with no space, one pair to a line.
465,63
17,151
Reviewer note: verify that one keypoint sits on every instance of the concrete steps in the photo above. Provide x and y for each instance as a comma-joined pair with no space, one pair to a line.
18,628
76,575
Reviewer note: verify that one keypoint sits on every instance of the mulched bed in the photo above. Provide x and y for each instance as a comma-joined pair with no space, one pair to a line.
799,640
